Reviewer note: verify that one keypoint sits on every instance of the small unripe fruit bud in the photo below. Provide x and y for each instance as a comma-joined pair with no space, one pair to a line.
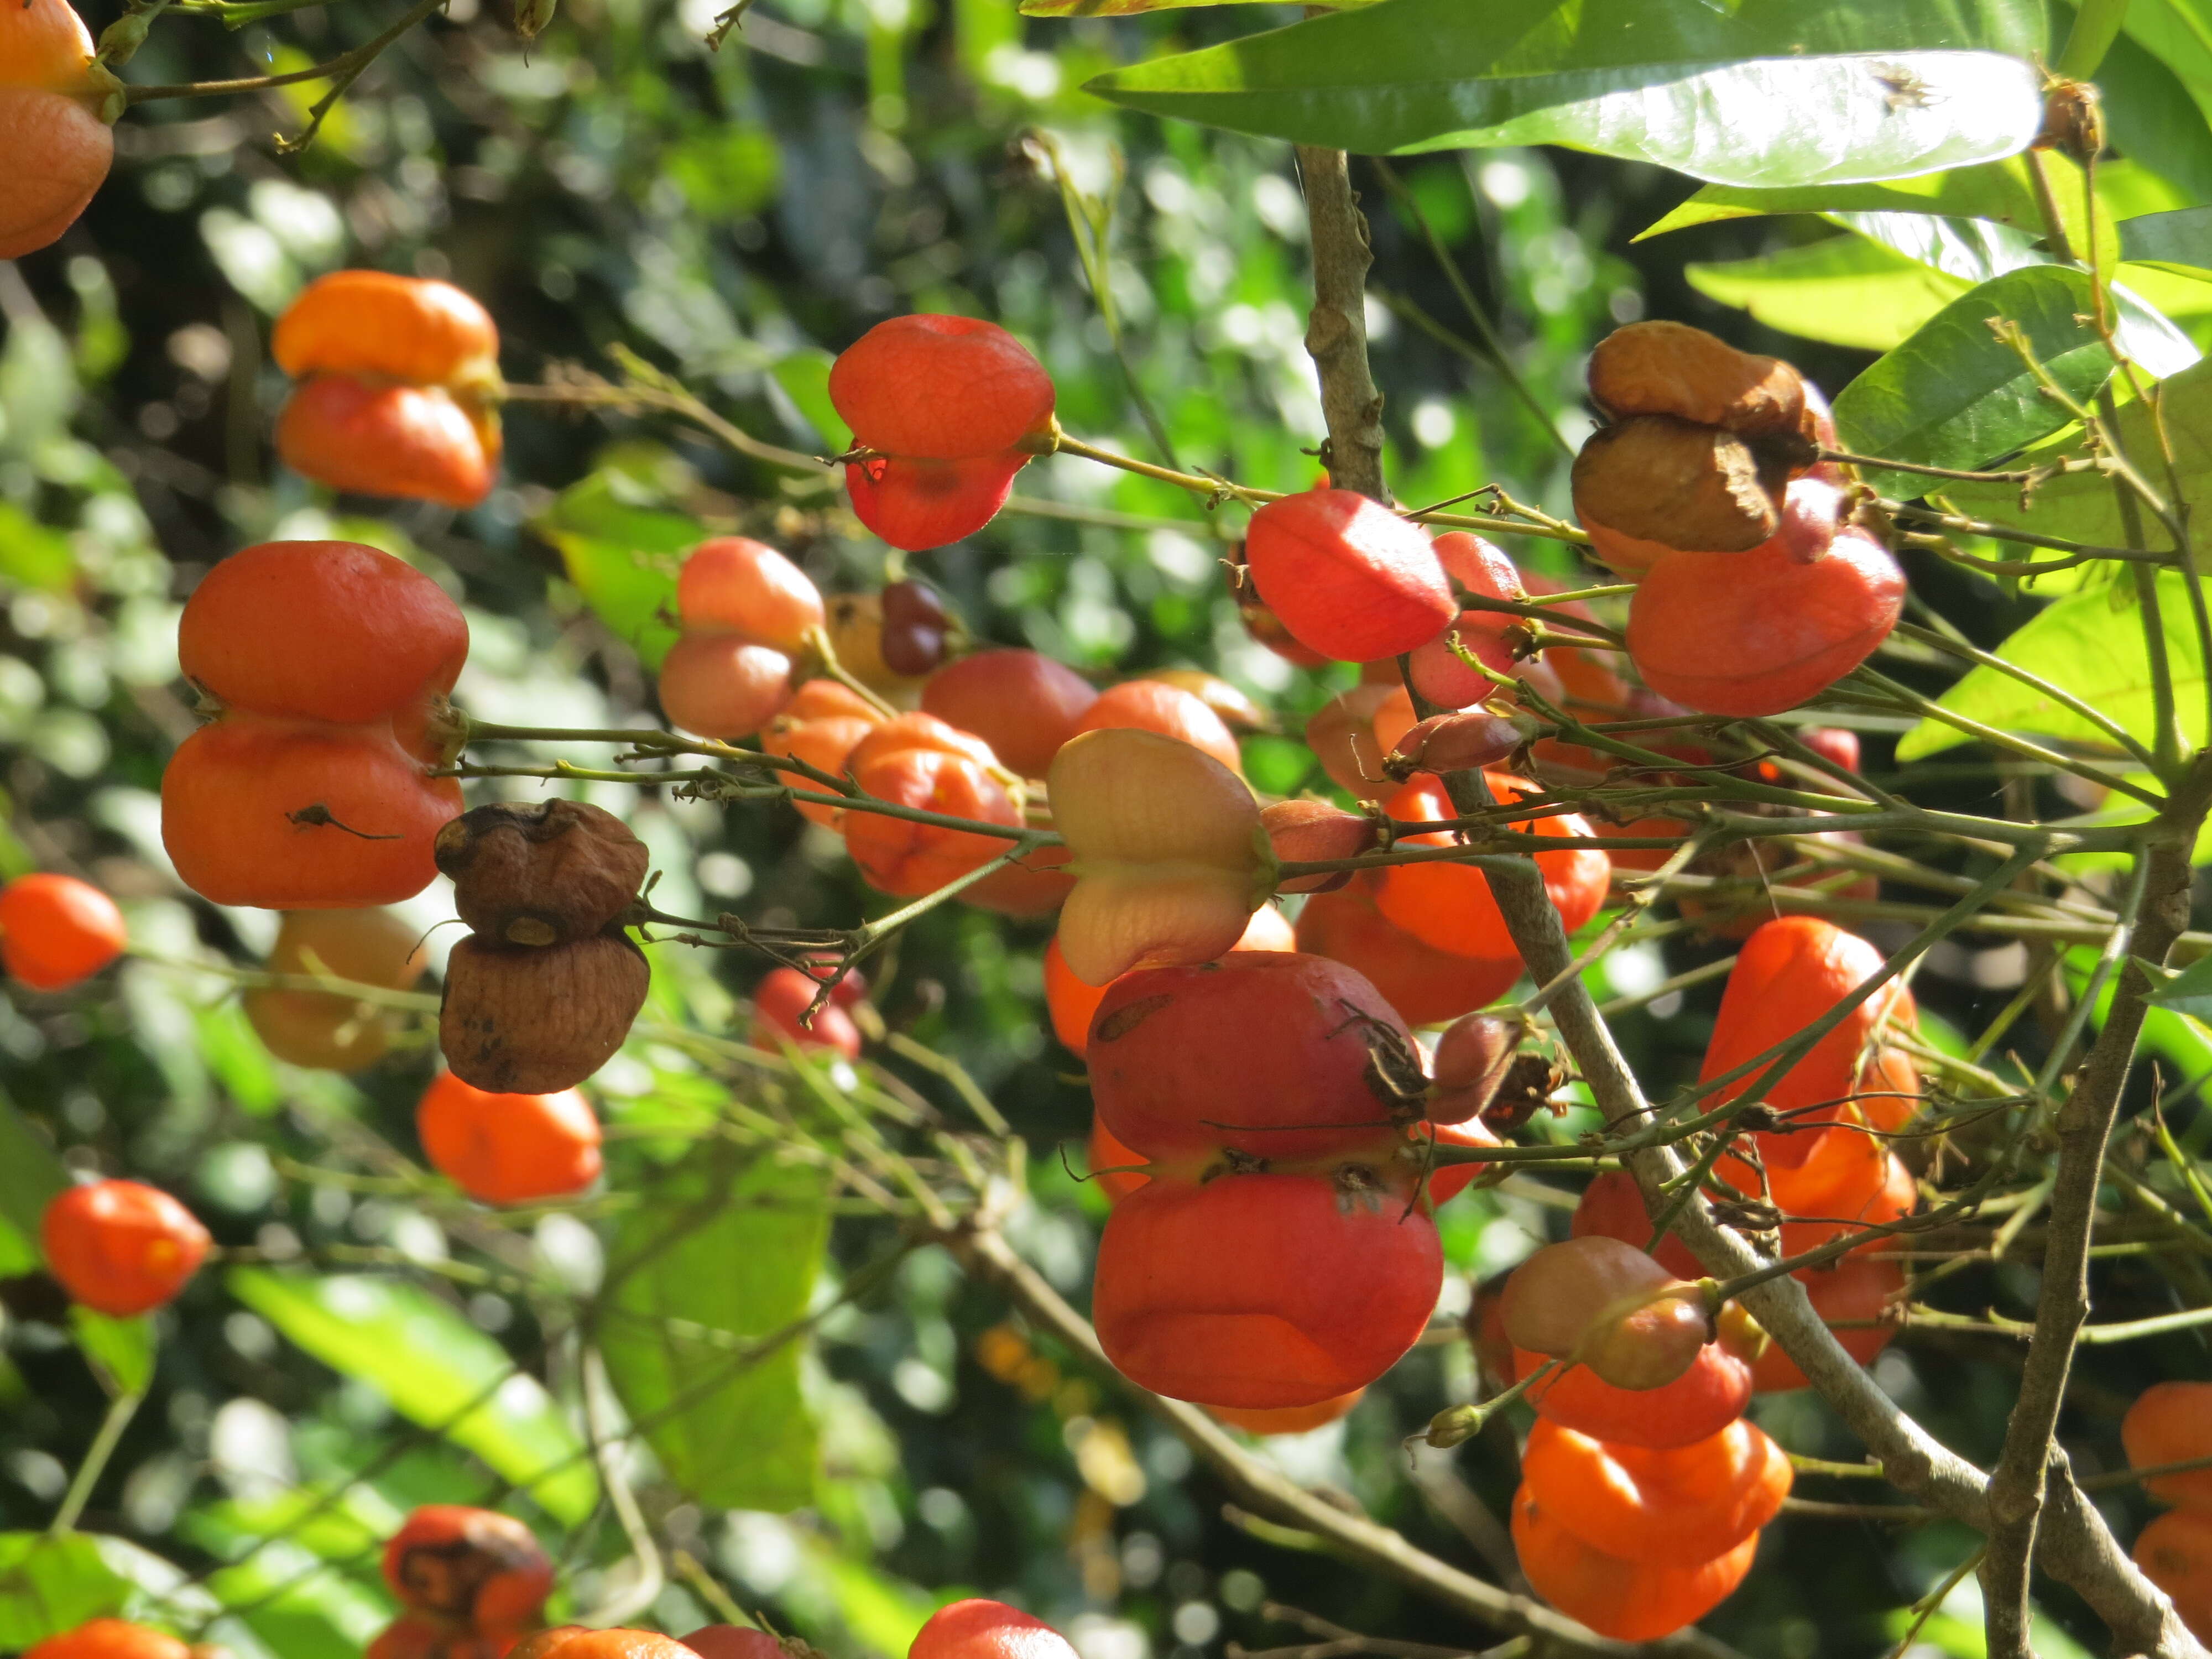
1472,1059
1457,742
1606,1305
1309,830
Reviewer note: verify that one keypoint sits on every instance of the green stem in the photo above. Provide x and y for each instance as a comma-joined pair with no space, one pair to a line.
120,1410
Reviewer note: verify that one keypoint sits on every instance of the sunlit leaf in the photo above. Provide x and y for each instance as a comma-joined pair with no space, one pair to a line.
2180,241
1135,7
437,1370
48,1585
1954,395
299,1607
721,1256
121,1350
2188,992
1847,291
2090,644
622,558
30,1176
1761,93
804,377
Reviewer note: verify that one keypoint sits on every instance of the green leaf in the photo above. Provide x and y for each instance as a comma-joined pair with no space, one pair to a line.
1954,395
32,556
1135,7
804,377
48,1585
300,1608
2152,120
437,1370
1847,291
2188,992
2090,644
1995,190
2082,506
121,1351
30,1176
2180,241
719,1257
1755,92
623,559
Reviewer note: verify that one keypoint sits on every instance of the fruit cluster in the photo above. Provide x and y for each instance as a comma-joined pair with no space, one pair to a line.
399,388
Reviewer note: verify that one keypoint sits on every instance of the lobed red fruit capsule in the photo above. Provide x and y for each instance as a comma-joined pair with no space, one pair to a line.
110,1639
940,388
1675,1506
1345,735
723,686
1438,671
2172,1422
1606,1305
1264,1291
1023,703
59,149
1152,706
476,1567
1346,575
1627,1601
420,1635
977,1629
508,1149
782,998
734,1642
1855,1292
1425,985
121,1246
1450,905
1703,1400
419,442
1110,1163
1757,633
734,584
2175,1552
1611,1206
1287,1419
574,1642
1277,1055
56,931
373,322
907,858
1447,1180
1073,1002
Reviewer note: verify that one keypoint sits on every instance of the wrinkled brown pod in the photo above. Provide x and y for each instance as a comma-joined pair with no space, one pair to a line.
1656,479
1661,368
538,873
522,1021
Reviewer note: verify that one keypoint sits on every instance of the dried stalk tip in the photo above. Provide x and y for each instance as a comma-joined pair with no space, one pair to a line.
522,1021
1671,368
1696,488
540,873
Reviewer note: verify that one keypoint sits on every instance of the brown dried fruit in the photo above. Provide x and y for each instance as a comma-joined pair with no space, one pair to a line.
539,873
1303,830
1655,478
520,1021
1671,368
327,1029
1456,742
2073,120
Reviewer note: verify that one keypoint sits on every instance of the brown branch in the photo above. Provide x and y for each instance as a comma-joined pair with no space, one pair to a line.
1336,333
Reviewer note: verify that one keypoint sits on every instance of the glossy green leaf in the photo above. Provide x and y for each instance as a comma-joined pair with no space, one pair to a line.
2150,116
1847,291
2090,644
2188,992
437,1370
1757,92
299,1608
121,1351
1995,190
2082,506
804,377
622,558
1136,8
48,1585
30,1176
720,1256
2180,241
1956,396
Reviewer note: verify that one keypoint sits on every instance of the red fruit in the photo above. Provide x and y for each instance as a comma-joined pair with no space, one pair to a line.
56,931
1613,1207
373,322
902,732
731,584
723,686
1277,1055
508,1149
1287,1419
417,443
320,631
1628,1600
2172,1422
1302,830
1344,735
1426,986
1348,577
420,1635
1449,906
944,388
476,1567
1757,633
1705,1399
1479,566
1447,1180
1790,972
110,1639
734,1642
1023,703
1264,1290
59,149
574,1642
782,996
897,855
1679,1506
1110,1161
121,1248
1437,671
1606,1306
1151,706
1073,1003
920,504
1856,1289
2175,1552
977,1629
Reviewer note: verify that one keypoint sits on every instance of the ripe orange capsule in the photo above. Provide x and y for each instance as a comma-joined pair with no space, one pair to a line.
918,504
1023,703
903,857
56,931
1628,1600
733,1642
1450,905
1702,1401
508,1149
2172,1422
1675,1506
1426,986
1858,1289
120,1247
1348,577
723,686
735,585
110,1639
977,1629
373,322
1608,1306
2175,1552
1071,1003
1109,1162
941,388
1154,706
59,149
417,443
476,1567
782,997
